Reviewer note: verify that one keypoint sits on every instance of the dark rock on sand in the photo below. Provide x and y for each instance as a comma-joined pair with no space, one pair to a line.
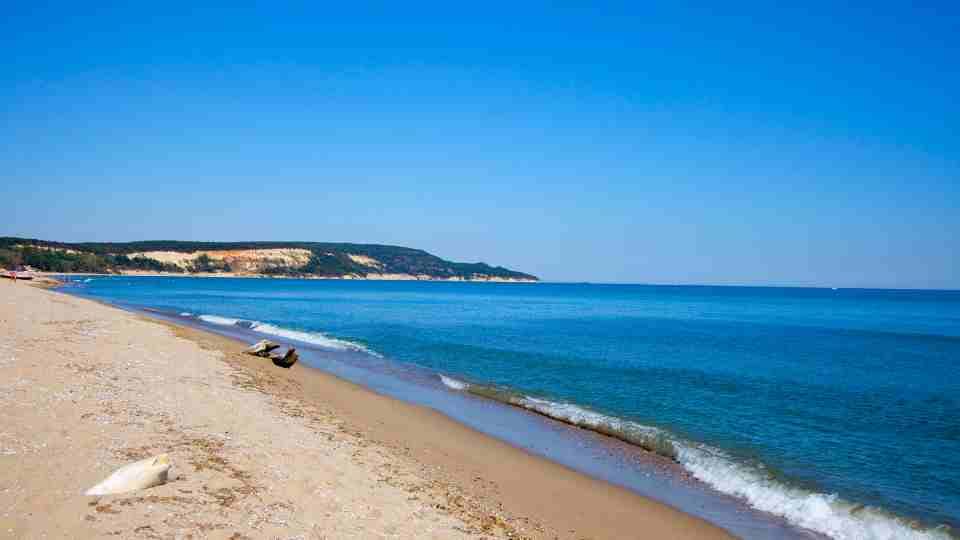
286,359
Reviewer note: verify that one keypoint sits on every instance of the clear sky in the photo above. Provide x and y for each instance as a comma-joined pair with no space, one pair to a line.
585,141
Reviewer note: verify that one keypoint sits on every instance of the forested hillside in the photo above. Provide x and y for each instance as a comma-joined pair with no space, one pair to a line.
316,259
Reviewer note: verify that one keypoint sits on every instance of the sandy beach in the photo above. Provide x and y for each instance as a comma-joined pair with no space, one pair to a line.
258,451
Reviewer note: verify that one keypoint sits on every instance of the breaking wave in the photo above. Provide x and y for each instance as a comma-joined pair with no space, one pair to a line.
827,514
647,437
450,382
215,319
313,338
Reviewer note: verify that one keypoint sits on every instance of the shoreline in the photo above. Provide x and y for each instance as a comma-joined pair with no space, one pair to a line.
491,487
611,460
580,443
463,452
343,277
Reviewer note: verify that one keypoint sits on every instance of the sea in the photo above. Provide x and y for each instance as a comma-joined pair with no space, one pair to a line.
781,412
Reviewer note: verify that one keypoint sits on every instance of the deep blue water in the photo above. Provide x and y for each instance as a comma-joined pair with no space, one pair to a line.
779,396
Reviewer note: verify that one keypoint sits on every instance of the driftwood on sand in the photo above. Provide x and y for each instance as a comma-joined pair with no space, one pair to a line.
286,359
134,476
262,348
265,348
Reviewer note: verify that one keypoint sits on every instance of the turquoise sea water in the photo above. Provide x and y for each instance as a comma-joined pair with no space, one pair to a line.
838,410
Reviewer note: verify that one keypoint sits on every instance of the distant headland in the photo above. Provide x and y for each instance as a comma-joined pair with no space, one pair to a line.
321,260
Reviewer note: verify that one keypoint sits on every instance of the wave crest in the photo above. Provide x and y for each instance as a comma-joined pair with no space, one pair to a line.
455,384
824,513
647,437
216,319
314,338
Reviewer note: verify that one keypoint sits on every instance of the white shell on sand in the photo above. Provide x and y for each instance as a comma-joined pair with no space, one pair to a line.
139,475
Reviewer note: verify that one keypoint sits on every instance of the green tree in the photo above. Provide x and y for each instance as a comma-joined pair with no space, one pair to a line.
10,258
203,263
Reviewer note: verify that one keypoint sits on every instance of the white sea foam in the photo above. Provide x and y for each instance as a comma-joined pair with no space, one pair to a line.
647,437
216,319
585,417
450,382
824,513
313,338
580,416
186,314
821,512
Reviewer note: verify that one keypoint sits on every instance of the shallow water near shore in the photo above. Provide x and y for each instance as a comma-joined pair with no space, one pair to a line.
833,411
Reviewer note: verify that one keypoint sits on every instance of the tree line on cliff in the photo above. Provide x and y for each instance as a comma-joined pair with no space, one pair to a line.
326,259
56,260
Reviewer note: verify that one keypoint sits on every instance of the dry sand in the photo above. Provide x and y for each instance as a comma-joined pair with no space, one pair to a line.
258,451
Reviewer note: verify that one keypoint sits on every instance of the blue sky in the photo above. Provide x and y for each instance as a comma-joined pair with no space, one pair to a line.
663,143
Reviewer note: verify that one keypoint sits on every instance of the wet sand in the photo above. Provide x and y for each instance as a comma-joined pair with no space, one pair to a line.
259,451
